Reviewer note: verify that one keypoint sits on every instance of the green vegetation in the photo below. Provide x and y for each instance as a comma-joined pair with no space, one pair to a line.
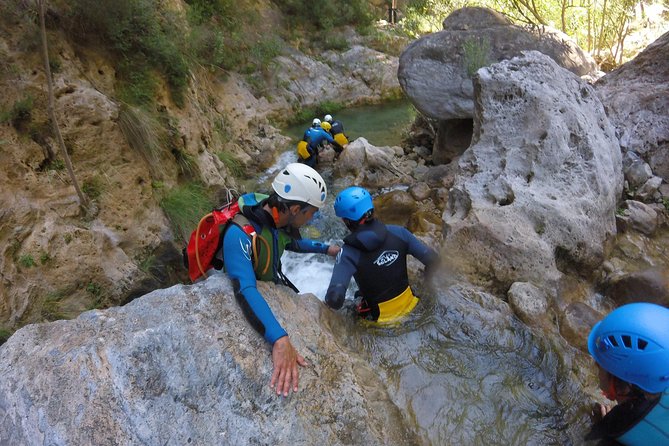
50,309
20,113
303,114
234,166
327,16
143,132
4,335
476,54
598,26
93,187
95,290
184,206
27,261
44,257
186,163
56,164
144,38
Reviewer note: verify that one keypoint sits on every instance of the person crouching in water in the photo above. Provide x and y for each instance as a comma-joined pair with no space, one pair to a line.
375,255
631,349
312,140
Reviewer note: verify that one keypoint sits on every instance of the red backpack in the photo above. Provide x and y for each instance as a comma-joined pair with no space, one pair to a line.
206,239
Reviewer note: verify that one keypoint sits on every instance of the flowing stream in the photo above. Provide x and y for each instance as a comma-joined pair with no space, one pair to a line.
462,368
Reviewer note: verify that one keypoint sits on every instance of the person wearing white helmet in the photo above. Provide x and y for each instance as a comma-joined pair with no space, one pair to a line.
298,192
336,130
312,140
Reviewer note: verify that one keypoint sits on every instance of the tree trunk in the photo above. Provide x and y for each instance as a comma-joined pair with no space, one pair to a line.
83,201
600,40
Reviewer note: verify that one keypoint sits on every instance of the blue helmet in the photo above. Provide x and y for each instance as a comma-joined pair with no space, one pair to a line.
353,203
632,343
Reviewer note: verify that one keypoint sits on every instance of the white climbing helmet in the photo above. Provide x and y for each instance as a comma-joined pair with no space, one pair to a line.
316,122
328,118
299,182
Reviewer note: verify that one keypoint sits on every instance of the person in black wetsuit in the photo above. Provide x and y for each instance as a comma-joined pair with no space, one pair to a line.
375,255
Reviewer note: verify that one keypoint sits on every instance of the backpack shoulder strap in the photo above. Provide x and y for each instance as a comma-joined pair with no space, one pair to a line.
244,223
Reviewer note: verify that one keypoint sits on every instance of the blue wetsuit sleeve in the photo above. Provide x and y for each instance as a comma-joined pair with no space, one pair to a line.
238,266
345,267
328,137
308,245
418,249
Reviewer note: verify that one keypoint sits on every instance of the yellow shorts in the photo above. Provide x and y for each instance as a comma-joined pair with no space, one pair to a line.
397,307
302,151
341,139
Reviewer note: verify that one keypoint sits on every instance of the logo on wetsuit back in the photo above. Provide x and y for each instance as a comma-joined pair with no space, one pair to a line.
386,258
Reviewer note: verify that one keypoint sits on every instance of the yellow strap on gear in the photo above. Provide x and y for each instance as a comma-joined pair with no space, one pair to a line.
255,252
397,306
302,150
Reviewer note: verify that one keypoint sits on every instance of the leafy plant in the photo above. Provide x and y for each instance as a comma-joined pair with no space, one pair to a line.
27,261
185,205
20,113
476,54
44,257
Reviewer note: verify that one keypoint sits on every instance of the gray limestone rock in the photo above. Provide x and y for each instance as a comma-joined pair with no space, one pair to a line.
536,193
182,366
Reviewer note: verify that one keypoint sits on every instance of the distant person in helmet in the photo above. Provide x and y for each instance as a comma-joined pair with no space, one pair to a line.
314,137
298,192
336,130
631,349
375,255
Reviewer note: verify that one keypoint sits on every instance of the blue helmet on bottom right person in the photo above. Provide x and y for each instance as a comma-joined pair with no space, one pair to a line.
632,343
353,203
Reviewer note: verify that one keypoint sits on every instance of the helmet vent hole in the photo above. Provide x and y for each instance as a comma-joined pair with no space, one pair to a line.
627,340
641,344
613,341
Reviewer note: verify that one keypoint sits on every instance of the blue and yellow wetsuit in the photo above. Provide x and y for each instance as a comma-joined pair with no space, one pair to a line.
636,422
237,258
375,255
308,147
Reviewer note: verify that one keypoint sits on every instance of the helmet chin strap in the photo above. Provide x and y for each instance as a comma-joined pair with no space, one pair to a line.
611,393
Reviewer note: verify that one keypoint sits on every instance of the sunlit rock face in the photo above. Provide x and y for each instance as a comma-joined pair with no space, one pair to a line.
182,366
636,98
433,69
436,70
536,192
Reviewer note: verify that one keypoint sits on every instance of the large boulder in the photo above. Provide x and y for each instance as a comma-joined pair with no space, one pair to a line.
182,366
636,98
433,69
536,193
436,70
